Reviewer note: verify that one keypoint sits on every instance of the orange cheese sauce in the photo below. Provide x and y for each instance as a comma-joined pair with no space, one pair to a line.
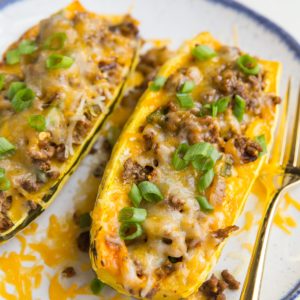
58,291
21,271
57,249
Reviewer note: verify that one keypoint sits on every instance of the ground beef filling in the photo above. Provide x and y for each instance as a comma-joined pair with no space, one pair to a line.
5,205
213,288
171,125
134,172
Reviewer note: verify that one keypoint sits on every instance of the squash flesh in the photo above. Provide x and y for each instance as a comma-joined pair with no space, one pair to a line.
72,21
109,255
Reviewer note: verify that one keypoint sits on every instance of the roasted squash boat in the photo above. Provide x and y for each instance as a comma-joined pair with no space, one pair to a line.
181,170
58,83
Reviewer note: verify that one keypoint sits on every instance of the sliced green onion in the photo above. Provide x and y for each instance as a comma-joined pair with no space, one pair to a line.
38,122
185,100
222,104
55,41
214,110
150,192
13,56
85,220
213,153
132,215
205,110
135,195
206,180
203,163
4,184
2,80
96,286
248,65
27,47
261,139
5,146
187,87
57,61
199,149
14,88
203,52
239,107
130,231
177,160
204,204
157,83
2,173
22,99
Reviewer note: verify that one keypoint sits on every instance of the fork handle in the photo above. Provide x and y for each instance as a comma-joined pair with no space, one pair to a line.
252,283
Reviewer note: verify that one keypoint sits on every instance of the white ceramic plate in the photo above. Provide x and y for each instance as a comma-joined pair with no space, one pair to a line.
176,20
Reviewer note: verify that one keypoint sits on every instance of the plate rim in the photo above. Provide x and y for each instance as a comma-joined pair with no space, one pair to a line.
266,22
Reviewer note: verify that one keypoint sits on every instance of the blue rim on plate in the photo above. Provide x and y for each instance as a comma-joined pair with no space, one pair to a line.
290,41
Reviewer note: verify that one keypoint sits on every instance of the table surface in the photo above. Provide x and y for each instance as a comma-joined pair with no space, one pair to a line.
284,13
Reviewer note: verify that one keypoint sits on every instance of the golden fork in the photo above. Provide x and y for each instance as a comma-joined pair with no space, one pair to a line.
290,163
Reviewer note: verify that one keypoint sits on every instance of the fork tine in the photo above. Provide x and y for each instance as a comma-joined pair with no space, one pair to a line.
294,154
284,154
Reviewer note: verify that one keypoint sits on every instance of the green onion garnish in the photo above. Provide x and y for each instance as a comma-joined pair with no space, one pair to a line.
150,192
214,110
203,52
38,122
4,184
185,100
5,146
27,47
2,80
204,204
22,99
85,220
222,104
13,56
177,160
206,180
199,149
202,163
248,65
135,195
187,87
213,153
96,286
2,173
55,41
261,139
57,61
239,107
130,231
205,110
157,83
132,215
14,88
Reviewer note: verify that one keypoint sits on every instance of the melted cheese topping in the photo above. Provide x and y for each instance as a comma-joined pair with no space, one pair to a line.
116,262
73,101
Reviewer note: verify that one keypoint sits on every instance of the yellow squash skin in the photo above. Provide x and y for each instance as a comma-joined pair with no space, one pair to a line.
109,254
19,213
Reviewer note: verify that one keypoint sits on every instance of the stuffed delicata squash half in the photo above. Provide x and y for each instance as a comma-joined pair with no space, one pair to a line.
58,83
182,169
